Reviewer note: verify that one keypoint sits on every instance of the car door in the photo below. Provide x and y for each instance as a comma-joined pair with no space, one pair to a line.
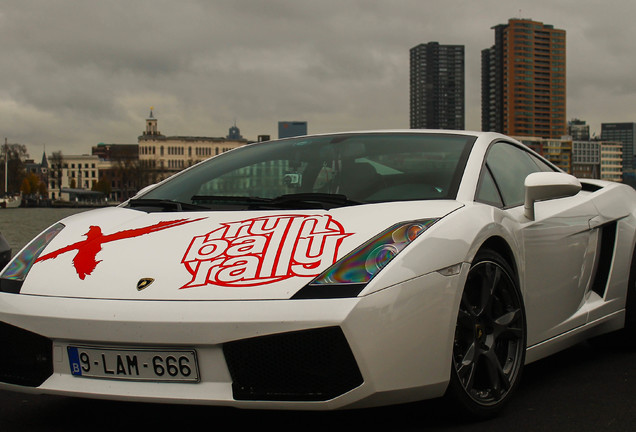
557,246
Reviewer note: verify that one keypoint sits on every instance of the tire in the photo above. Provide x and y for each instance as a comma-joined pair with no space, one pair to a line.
490,338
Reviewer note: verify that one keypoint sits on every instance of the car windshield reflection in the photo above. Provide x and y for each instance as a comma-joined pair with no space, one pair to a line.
322,171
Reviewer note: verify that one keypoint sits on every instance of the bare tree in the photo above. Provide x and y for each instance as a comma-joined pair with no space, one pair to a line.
16,154
56,170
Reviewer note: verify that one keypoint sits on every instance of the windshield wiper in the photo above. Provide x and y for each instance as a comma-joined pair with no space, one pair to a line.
313,200
164,204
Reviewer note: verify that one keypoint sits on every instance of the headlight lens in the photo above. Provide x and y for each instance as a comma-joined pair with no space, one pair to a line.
15,273
349,276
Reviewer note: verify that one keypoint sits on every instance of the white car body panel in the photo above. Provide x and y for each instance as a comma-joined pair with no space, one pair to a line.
168,270
206,325
400,327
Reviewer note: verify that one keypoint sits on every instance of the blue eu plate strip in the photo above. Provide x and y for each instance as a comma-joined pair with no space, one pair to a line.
73,356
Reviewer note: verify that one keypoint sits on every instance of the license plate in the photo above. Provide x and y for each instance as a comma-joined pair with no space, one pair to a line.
134,364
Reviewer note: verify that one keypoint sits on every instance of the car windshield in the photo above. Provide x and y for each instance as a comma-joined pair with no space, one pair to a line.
322,171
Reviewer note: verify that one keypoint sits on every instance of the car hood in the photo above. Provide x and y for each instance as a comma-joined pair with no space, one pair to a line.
120,253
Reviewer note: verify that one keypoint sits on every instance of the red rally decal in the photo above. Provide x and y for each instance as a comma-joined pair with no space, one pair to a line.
263,250
86,250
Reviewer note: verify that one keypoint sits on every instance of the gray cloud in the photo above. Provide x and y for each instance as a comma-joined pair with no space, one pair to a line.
76,73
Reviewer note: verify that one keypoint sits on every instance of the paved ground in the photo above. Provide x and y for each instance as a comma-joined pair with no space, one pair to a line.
586,388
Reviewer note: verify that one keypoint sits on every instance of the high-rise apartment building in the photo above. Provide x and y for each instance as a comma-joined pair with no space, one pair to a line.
624,133
612,161
579,130
523,80
288,129
437,90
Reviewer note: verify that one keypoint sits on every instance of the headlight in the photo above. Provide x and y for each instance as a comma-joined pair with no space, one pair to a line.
347,277
13,276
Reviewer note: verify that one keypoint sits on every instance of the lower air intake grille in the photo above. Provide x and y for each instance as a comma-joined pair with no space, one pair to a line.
308,365
25,358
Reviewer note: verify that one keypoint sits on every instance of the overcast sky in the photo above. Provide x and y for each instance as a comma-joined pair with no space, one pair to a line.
77,73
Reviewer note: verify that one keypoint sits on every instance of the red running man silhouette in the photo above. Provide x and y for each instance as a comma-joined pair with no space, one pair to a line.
85,260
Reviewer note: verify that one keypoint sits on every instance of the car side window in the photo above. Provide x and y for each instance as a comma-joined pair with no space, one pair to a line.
509,166
488,192
542,165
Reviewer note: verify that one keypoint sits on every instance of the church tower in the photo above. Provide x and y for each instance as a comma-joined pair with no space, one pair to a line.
151,125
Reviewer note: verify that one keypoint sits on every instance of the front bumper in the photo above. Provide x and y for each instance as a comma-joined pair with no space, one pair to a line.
392,346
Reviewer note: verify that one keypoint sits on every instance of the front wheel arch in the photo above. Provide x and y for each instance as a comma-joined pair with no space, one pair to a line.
500,246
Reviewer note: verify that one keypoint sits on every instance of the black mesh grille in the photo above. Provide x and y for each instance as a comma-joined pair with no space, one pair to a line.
25,357
308,365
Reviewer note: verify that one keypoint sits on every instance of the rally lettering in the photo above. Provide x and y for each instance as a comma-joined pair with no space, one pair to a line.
308,259
204,271
246,245
263,250
237,269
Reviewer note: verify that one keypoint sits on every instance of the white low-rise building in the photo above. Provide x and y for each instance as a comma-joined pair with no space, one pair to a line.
73,172
163,156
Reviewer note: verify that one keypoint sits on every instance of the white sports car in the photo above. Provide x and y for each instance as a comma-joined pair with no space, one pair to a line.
322,272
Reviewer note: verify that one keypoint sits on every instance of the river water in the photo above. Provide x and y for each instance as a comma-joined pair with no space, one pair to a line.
20,225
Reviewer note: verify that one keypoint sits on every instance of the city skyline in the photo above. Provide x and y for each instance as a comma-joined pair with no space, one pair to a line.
70,83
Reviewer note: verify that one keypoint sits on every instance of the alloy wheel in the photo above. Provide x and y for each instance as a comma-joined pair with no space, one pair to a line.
489,344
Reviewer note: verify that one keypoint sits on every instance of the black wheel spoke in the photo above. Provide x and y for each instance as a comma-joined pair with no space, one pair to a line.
506,325
490,283
465,322
466,369
498,379
468,310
